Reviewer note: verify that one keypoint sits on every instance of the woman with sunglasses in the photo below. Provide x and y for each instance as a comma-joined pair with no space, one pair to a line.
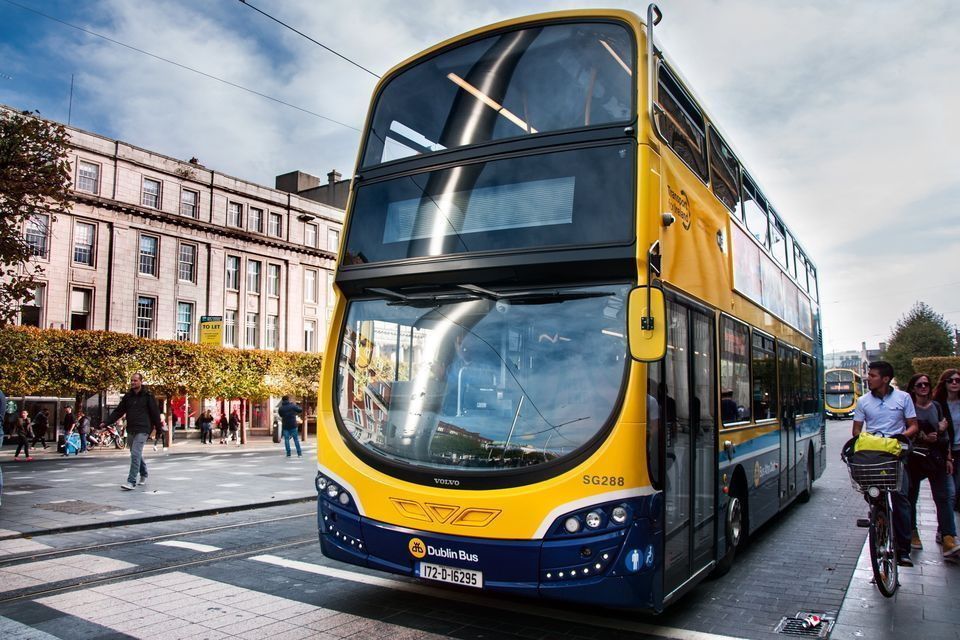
947,394
935,464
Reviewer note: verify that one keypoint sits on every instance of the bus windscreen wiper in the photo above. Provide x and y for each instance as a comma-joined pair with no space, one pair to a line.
532,296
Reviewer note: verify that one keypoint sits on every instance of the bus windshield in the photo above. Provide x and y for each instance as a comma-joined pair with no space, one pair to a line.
517,83
479,382
840,400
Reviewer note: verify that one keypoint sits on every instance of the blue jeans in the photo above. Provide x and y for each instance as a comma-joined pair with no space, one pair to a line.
954,483
136,441
940,489
291,433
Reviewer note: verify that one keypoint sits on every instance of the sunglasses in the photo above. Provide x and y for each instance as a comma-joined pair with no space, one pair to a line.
953,380
922,384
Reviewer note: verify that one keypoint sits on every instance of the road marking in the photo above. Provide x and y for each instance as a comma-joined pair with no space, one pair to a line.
16,493
31,574
123,512
180,478
193,546
106,484
412,587
216,501
230,485
141,608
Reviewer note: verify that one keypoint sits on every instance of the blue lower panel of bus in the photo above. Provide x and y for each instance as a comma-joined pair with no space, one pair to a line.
616,567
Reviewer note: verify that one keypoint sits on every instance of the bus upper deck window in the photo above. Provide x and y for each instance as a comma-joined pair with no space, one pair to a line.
681,124
755,212
724,172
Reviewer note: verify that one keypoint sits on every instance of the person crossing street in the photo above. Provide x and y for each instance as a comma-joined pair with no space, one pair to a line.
143,415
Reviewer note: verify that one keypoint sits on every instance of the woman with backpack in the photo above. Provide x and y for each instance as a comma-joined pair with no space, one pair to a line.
932,460
947,394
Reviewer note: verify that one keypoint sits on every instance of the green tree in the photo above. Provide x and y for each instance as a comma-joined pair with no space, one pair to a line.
922,332
34,181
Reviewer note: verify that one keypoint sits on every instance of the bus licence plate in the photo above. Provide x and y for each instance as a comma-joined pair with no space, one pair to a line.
453,575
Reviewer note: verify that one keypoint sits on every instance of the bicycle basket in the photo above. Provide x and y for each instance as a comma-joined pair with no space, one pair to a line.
874,469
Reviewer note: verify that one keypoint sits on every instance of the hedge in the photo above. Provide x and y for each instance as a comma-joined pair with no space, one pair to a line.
934,366
73,363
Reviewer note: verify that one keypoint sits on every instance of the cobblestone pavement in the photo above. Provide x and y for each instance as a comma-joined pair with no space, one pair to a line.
260,574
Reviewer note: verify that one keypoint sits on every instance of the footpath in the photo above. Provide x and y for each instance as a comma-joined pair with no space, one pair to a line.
54,494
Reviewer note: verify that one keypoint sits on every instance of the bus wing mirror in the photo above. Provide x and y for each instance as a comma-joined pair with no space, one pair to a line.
647,324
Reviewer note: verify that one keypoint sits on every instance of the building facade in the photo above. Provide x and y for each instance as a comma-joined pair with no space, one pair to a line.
153,243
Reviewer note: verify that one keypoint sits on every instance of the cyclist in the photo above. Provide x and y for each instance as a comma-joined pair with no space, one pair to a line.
889,412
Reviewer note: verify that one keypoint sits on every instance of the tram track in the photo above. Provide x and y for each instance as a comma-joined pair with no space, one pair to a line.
68,551
138,571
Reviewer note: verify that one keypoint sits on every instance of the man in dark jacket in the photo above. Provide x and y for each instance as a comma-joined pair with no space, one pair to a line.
40,423
68,421
143,415
288,415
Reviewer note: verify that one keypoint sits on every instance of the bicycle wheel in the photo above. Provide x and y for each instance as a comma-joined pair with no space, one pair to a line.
883,549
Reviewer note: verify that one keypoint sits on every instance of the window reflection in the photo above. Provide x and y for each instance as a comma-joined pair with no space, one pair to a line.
479,384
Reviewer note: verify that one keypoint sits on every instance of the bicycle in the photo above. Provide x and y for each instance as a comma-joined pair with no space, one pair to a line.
876,481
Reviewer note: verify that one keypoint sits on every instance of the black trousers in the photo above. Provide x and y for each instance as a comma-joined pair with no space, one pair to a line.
22,443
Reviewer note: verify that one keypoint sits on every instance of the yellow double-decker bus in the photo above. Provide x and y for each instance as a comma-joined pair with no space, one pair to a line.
841,388
575,353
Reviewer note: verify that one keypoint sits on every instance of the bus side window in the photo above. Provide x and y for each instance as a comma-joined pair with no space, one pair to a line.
724,172
734,372
681,124
755,212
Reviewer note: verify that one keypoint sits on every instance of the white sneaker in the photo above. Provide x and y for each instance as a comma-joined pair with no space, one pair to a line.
154,446
128,486
143,481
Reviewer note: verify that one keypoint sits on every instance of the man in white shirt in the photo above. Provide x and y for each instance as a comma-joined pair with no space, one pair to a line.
889,412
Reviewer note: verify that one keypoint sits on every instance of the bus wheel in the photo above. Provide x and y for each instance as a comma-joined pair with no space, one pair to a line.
735,527
804,496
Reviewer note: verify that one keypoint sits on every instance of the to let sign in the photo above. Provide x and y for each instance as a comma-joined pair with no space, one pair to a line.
211,330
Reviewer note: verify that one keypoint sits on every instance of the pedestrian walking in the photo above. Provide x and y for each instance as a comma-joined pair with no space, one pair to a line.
289,411
159,437
140,408
83,430
931,461
223,424
22,431
947,393
205,422
3,420
40,423
234,424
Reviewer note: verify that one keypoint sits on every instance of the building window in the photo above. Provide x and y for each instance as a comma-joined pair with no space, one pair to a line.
310,286
256,220
38,227
151,193
189,203
734,371
235,214
185,321
232,281
230,328
80,308
84,235
88,177
187,263
149,255
764,378
310,234
330,295
276,225
273,332
253,330
333,240
146,312
273,280
253,276
31,313
309,335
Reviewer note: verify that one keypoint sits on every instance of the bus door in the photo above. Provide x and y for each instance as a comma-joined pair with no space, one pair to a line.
788,361
686,393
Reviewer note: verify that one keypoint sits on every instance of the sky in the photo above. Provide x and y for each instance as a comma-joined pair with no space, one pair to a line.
845,113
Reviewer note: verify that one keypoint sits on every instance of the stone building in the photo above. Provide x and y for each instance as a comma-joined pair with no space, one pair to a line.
153,243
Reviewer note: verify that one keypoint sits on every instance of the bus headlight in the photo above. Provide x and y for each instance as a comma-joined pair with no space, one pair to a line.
332,491
593,519
321,483
344,498
873,492
619,515
572,525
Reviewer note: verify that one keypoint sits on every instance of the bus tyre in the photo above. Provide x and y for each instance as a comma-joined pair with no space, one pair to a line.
804,496
735,527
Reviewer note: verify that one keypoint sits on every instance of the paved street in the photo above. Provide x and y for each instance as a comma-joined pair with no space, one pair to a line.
259,573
